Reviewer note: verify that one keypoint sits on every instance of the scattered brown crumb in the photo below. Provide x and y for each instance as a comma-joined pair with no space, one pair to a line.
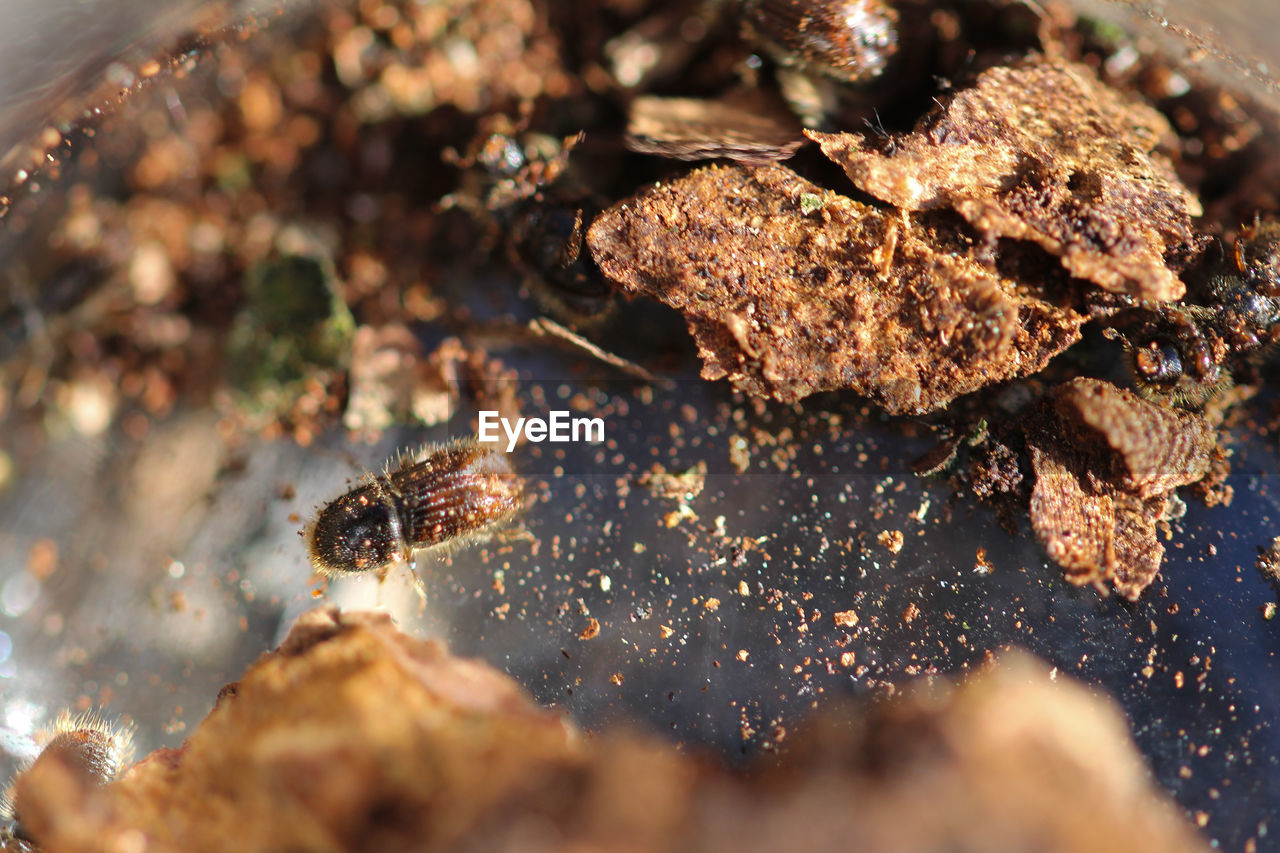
677,515
42,559
846,618
489,383
1106,463
591,631
892,540
739,453
683,486
910,613
1046,152
790,289
1268,563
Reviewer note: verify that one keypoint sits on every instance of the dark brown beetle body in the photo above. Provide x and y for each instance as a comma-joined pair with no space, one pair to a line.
823,50
1181,353
516,184
546,242
439,496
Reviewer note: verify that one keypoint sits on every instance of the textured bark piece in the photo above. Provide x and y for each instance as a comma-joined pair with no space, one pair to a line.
790,289
1048,153
1076,528
1158,448
351,736
1106,463
1138,549
354,736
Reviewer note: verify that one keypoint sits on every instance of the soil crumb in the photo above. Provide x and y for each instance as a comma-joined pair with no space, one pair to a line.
1269,563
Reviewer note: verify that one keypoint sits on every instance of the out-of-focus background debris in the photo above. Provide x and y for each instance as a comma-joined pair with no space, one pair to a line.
353,735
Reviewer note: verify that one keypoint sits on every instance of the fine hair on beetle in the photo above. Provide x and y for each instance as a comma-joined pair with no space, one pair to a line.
94,749
438,498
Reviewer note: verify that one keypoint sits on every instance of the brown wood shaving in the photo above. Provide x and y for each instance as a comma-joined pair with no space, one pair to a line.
1158,448
750,127
1102,527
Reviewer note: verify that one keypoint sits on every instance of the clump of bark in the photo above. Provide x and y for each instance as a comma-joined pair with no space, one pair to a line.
790,289
1046,152
994,471
1106,464
354,736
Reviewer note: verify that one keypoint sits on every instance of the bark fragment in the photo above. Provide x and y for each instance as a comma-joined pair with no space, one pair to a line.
1045,152
791,289
1106,463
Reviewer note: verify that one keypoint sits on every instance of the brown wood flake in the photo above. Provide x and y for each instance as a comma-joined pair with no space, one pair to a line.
1157,448
748,126
1106,463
